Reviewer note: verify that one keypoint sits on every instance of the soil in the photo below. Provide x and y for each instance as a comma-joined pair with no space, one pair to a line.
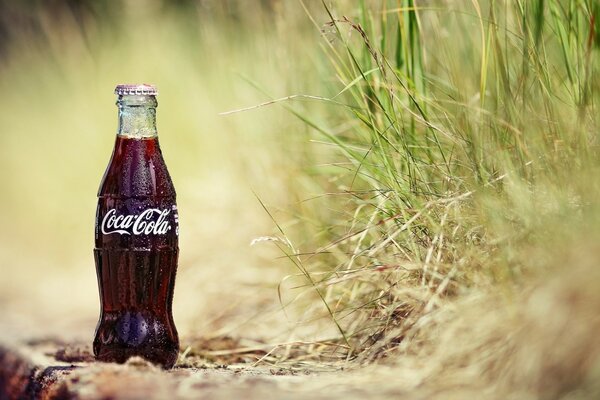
35,365
47,368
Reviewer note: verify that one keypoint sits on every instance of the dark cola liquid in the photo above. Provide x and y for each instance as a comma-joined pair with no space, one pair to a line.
136,256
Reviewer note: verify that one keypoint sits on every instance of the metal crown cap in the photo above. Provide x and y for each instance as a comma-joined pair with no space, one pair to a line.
136,90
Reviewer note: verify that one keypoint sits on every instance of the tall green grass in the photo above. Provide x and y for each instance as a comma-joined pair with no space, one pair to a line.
466,150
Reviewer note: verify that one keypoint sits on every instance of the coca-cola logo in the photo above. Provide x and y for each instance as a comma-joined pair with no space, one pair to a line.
151,221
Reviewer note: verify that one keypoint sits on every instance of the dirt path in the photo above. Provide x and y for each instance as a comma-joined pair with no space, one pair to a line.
49,369
35,364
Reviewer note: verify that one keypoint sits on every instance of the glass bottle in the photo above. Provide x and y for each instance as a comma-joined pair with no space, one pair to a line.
136,240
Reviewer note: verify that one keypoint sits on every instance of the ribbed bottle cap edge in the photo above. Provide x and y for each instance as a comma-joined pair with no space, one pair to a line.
136,90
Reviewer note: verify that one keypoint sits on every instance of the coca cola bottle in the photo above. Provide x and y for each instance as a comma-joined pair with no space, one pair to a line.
136,240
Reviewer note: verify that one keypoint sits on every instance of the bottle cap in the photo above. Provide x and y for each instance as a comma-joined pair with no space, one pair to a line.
136,90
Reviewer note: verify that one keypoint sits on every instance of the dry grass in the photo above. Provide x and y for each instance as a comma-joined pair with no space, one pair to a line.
450,242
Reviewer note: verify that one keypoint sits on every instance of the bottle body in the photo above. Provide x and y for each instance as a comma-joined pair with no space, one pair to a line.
136,252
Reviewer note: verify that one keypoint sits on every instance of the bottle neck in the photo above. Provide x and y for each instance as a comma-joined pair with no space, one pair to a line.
137,116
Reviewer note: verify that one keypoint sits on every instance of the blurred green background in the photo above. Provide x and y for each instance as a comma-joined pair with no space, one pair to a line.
60,62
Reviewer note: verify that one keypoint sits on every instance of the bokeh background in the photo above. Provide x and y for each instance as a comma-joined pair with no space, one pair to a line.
59,64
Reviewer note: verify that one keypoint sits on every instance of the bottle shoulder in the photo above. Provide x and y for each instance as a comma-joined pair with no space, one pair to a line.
136,169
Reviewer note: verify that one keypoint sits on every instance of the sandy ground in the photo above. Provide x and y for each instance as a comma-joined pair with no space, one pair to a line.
36,363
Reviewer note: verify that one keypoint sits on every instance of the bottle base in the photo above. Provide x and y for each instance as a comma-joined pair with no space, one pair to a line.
162,358
120,336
